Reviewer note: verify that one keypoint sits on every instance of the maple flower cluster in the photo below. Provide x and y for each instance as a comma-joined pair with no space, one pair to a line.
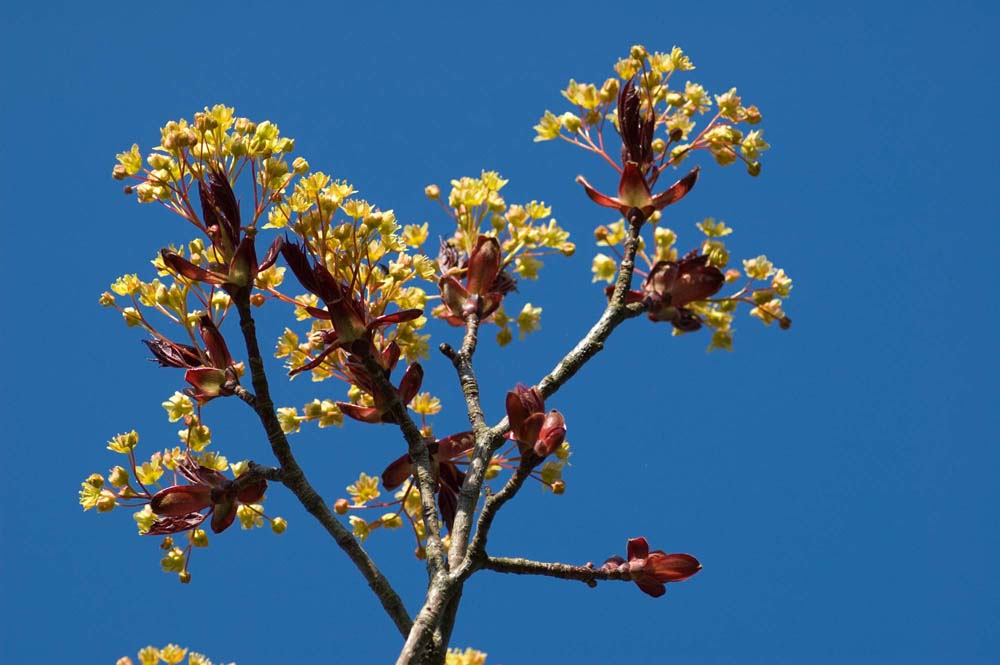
178,489
655,120
494,245
171,654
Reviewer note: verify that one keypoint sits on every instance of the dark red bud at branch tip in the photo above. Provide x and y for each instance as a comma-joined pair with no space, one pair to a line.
484,264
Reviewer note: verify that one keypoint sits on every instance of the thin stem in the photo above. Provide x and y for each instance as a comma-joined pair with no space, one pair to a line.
294,478
586,574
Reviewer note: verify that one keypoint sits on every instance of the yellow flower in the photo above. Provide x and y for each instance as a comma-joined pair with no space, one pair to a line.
123,443
758,268
604,268
178,406
360,527
365,489
173,654
149,656
426,404
149,473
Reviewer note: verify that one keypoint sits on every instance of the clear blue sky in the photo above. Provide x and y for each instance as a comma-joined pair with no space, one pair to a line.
838,482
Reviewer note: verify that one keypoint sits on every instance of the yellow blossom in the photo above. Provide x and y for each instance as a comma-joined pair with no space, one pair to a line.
360,527
365,489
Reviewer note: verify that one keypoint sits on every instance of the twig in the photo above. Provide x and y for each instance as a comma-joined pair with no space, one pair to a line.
468,495
586,574
294,478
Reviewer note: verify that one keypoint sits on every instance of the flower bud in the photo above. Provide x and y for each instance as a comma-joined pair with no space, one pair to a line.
158,161
784,323
420,553
753,115
567,249
184,576
300,165
658,145
341,506
675,99
257,299
238,146
95,480
131,316
118,477
279,525
199,538
119,172
433,192
570,122
638,52
167,544
106,502
753,168
601,233
558,487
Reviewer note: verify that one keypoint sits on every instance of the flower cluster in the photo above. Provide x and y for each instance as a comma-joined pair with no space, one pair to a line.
170,654
493,245
644,82
683,291
197,489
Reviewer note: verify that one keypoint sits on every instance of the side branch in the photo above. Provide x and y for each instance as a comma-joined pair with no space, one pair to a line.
295,480
494,503
614,314
586,574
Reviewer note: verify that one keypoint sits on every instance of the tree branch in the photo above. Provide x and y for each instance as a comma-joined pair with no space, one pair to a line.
586,574
468,495
422,469
294,478
614,314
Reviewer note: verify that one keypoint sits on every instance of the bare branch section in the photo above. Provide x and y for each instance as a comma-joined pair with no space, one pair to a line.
586,574
468,496
294,478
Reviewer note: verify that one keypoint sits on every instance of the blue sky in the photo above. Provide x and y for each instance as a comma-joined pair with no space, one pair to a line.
837,481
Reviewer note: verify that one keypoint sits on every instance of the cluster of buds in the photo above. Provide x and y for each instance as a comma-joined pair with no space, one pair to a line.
485,281
673,285
535,431
236,266
211,373
179,507
651,571
448,478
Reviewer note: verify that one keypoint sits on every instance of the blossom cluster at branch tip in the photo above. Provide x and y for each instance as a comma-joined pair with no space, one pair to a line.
651,571
656,118
494,244
196,490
